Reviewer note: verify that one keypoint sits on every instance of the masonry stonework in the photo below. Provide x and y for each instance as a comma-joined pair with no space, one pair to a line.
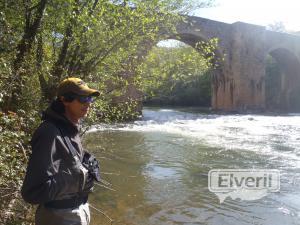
238,82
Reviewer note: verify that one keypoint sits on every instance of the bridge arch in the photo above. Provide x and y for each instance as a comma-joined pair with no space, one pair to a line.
217,61
282,84
239,80
201,86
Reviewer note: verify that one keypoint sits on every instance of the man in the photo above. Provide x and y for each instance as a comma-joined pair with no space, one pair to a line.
55,177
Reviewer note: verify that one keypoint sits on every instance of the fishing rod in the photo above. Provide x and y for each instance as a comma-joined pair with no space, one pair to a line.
103,213
100,185
105,184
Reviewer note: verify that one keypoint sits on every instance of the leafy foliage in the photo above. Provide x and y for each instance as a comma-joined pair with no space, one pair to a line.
176,76
14,142
42,42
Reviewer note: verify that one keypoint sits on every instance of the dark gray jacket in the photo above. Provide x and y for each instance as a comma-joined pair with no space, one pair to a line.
52,173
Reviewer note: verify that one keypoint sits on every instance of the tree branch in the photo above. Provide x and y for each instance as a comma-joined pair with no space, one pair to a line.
23,48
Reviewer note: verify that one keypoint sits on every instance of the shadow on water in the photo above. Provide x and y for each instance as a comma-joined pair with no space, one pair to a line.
122,163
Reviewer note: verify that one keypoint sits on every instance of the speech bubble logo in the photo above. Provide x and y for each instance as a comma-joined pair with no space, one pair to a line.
244,184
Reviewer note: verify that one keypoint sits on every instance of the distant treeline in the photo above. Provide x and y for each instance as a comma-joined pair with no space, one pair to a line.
177,76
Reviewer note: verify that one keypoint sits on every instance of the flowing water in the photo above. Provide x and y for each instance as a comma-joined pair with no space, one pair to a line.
158,167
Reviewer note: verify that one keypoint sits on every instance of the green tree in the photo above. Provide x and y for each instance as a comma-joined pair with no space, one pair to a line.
277,26
42,42
176,76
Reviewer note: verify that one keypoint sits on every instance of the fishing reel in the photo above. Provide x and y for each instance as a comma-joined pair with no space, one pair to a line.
92,165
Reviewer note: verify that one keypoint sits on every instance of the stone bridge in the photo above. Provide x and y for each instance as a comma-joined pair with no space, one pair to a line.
238,83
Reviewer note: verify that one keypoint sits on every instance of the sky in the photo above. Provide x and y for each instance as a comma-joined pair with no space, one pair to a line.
259,12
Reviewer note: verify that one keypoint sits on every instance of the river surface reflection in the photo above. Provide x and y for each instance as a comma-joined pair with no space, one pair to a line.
158,167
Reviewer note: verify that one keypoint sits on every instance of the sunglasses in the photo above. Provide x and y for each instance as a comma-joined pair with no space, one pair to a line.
85,99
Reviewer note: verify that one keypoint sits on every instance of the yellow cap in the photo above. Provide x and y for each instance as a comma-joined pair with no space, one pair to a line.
76,86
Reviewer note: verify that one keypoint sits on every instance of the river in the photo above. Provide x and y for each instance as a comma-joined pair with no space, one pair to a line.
158,168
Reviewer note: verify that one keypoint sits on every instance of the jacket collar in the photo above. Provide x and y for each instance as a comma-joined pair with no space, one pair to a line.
51,114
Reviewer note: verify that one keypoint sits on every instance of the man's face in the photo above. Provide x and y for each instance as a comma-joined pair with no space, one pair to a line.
76,110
